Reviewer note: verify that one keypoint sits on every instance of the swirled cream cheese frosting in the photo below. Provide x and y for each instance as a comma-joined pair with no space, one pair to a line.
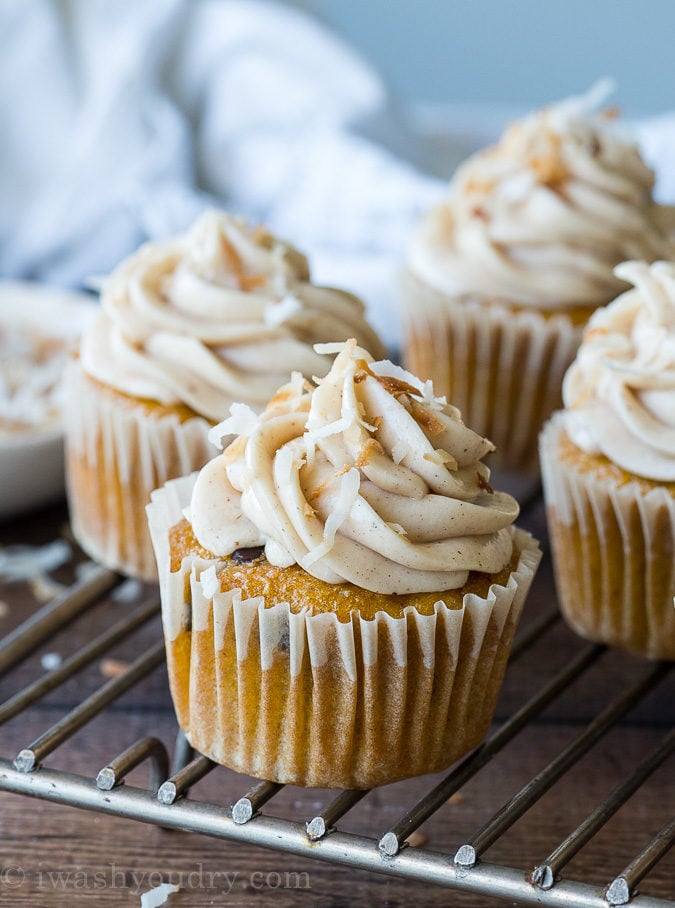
221,314
541,219
619,394
366,478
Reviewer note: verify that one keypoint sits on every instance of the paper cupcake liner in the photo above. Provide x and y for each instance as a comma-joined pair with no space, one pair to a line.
502,367
614,554
116,454
309,700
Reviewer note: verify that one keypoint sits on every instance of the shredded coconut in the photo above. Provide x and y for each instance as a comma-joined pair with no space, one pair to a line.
431,400
241,421
280,312
347,495
331,428
331,348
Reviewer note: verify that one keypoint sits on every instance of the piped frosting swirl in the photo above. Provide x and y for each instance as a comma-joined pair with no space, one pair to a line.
620,391
542,218
367,478
221,314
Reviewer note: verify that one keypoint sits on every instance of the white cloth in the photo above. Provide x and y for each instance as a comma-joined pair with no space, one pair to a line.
122,120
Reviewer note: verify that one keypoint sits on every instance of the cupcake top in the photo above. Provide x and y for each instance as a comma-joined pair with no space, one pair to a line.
542,218
365,478
620,391
220,314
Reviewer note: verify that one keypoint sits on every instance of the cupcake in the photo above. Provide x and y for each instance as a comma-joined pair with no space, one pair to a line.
608,466
187,326
502,276
340,601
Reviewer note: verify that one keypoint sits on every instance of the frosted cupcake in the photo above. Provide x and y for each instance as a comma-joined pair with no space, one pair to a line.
502,276
608,465
187,327
340,605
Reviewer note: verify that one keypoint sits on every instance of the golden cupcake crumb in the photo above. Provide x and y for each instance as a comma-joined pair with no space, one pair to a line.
301,590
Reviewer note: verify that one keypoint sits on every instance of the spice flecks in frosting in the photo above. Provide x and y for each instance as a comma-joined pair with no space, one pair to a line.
365,477
218,315
620,391
542,218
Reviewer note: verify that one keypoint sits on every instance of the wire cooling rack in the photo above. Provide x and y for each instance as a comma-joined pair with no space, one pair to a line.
165,802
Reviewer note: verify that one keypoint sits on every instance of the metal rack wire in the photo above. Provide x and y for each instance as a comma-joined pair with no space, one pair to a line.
165,803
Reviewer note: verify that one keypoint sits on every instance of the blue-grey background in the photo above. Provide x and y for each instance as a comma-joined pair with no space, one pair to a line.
514,53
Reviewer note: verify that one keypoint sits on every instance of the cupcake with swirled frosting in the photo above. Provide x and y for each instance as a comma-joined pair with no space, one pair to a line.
608,464
187,326
502,276
341,585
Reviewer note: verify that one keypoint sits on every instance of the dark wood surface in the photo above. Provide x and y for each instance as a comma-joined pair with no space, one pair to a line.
67,857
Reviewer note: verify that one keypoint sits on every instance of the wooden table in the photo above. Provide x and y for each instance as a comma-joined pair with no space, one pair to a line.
55,855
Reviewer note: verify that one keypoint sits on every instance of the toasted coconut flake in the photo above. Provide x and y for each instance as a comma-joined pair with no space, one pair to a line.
314,494
248,282
431,424
441,457
371,449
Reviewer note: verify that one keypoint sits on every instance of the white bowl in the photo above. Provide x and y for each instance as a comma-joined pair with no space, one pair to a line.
31,459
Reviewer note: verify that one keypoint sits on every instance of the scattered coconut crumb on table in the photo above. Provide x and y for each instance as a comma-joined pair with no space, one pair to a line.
128,591
155,898
28,562
45,588
113,668
50,661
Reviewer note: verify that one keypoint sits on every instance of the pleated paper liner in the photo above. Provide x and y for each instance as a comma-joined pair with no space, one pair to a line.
614,552
309,700
502,366
117,451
